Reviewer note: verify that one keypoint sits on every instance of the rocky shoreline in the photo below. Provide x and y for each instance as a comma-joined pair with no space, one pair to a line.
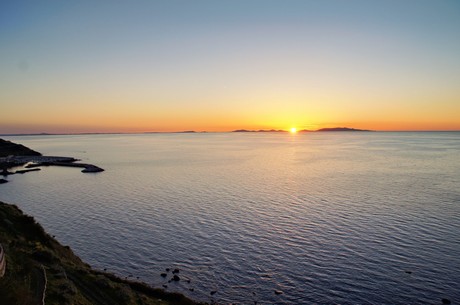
39,269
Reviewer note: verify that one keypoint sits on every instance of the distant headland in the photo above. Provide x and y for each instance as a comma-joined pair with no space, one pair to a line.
14,155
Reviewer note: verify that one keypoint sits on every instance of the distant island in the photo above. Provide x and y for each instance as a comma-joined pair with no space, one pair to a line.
341,129
261,130
305,130
184,131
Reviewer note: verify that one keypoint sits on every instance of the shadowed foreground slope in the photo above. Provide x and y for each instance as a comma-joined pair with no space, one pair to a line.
38,267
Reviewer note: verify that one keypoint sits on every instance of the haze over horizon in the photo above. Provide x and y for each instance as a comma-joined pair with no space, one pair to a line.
145,66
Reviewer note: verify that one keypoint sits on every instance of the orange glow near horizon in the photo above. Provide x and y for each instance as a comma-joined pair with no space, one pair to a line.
178,123
120,111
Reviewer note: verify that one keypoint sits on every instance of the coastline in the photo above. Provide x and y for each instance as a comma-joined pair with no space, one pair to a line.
14,155
39,268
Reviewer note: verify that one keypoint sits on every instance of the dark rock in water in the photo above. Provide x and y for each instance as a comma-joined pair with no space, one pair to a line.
163,275
188,281
176,278
175,271
446,301
278,292
165,286
92,169
23,171
213,292
408,272
3,181
191,289
167,269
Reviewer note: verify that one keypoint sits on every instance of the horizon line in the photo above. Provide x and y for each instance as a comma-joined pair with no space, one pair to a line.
205,131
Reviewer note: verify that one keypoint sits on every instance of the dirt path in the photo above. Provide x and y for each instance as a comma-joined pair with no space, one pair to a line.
38,285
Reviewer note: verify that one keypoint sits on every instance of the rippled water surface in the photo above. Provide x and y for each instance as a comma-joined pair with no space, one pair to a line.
324,218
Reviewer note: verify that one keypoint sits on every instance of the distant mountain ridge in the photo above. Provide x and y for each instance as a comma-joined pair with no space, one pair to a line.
304,130
342,129
260,130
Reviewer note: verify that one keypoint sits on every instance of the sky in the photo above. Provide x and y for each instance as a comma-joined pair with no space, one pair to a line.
139,66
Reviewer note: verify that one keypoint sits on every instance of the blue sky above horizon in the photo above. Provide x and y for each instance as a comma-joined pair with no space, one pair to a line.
80,66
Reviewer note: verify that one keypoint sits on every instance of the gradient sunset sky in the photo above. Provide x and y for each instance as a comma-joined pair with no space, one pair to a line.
134,66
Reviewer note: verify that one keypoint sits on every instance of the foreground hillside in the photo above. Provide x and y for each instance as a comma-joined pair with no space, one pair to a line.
39,270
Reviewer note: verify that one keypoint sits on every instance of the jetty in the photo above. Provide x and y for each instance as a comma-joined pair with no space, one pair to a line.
32,162
87,168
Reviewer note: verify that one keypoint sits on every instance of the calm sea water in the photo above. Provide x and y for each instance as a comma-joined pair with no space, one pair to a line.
324,218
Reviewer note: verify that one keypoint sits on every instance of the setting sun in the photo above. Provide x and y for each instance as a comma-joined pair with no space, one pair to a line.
293,130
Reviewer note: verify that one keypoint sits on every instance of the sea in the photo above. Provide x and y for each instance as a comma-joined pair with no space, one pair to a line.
259,218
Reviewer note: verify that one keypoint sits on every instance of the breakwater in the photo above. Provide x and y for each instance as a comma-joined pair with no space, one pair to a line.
37,161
